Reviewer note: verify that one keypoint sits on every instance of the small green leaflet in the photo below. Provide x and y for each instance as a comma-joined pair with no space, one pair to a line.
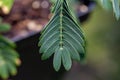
106,4
116,8
115,4
62,37
4,27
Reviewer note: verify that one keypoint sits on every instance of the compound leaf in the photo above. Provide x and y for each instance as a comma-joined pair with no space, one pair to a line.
62,37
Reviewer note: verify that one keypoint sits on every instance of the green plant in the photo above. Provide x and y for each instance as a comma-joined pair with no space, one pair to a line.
63,37
9,58
6,5
108,4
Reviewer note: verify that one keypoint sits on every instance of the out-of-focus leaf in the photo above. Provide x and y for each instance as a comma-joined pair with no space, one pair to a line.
6,5
106,4
111,4
9,58
53,1
4,27
8,61
7,42
116,8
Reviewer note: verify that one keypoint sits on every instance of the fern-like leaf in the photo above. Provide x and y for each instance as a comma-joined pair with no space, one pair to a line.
9,58
62,37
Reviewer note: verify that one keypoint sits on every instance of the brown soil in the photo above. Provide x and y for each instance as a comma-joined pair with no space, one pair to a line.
27,17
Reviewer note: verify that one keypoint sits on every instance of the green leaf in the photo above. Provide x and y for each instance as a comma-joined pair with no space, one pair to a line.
73,51
10,55
50,50
6,5
111,4
9,58
53,1
4,27
11,68
3,70
66,59
106,4
116,8
62,37
7,42
57,59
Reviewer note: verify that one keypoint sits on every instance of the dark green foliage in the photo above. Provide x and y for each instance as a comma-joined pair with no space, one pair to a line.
62,37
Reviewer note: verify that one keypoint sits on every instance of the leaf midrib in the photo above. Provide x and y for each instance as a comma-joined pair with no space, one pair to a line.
61,25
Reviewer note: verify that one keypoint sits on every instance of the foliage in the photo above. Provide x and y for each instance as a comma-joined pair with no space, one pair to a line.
106,4
63,37
115,5
4,27
9,58
6,5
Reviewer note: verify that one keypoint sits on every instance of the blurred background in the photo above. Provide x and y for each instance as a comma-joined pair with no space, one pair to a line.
103,48
102,31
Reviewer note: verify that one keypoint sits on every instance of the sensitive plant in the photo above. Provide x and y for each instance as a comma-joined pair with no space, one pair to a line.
9,58
62,37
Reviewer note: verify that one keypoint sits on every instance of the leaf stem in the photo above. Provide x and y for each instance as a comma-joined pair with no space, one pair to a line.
61,25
